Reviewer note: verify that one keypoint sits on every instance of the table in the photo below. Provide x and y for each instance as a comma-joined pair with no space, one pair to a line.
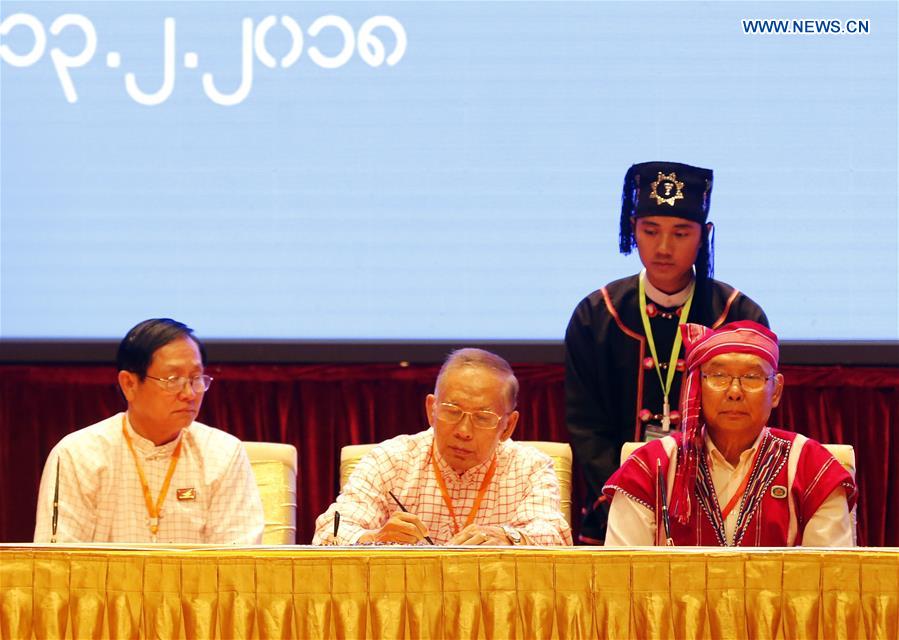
426,592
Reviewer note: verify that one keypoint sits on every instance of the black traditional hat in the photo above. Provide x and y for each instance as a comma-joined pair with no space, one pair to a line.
667,189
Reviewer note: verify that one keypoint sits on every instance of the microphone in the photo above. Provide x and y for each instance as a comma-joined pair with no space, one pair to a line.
55,519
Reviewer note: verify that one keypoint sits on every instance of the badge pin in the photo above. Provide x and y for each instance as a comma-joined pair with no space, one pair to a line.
186,494
667,189
779,491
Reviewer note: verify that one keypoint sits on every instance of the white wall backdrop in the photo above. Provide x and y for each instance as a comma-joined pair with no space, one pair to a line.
469,190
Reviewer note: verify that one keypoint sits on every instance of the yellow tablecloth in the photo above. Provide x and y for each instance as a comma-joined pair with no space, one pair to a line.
582,592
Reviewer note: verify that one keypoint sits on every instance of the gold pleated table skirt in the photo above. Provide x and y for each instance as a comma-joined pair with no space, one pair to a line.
403,592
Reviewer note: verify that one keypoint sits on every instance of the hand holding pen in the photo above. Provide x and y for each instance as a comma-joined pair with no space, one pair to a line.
401,527
403,509
331,539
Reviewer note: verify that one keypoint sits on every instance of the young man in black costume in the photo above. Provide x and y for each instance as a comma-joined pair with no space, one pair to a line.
623,355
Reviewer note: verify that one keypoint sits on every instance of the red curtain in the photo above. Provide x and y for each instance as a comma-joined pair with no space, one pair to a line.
321,408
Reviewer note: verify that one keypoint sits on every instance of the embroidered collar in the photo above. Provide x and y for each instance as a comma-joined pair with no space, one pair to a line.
669,301
772,456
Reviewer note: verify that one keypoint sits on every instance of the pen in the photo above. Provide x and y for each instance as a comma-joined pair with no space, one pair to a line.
55,506
664,499
336,523
403,509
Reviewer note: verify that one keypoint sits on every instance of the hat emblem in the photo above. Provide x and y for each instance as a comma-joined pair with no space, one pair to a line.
666,189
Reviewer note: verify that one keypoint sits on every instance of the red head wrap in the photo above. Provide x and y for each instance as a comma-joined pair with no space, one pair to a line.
701,344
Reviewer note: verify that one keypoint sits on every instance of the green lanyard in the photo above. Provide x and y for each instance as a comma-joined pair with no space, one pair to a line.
672,364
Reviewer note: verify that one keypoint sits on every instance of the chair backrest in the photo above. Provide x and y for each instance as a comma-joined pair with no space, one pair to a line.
560,452
844,453
350,456
275,468
627,449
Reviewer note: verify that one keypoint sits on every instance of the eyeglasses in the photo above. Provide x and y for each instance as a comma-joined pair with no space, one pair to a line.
748,382
453,414
174,384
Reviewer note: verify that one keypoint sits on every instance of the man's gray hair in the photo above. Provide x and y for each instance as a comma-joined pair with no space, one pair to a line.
471,357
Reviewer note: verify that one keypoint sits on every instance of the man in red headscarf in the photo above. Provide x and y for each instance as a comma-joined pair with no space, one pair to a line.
732,480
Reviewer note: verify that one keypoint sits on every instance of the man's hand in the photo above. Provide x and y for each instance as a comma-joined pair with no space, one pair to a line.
401,528
476,534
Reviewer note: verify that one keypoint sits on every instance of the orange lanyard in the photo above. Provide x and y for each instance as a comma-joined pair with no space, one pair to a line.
153,509
449,501
740,491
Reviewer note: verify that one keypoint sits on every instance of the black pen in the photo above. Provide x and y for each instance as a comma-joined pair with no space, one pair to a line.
667,524
55,506
404,510
336,523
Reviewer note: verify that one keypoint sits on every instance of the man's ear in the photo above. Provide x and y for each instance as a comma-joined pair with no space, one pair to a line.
778,389
430,401
511,423
128,384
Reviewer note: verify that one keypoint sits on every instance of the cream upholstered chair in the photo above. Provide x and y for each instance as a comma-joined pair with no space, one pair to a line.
844,453
627,449
560,452
275,468
350,456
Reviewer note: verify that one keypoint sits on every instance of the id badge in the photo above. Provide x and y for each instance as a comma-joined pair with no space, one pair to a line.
655,432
